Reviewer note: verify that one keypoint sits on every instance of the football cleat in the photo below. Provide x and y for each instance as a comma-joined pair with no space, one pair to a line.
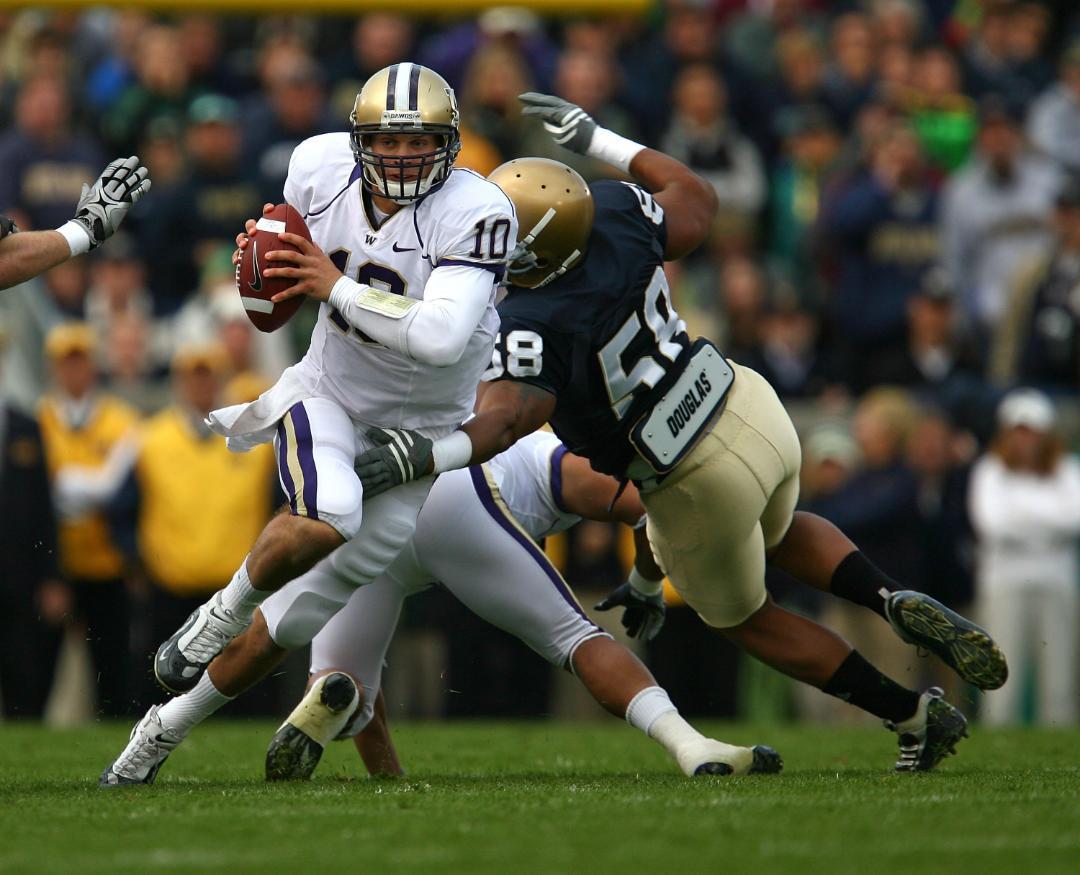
930,735
181,660
959,643
297,747
148,747
710,757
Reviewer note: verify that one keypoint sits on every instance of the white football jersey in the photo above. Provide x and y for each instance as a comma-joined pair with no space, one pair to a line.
467,221
529,477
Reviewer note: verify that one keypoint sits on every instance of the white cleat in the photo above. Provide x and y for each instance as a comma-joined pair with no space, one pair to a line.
297,746
181,660
710,757
148,747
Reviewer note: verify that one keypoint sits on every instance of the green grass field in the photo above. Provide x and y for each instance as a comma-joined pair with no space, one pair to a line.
544,797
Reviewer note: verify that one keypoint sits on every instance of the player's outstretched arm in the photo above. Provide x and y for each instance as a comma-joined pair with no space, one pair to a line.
689,202
101,209
507,412
26,254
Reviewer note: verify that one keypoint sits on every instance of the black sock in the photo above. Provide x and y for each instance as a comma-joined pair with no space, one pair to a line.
857,682
859,580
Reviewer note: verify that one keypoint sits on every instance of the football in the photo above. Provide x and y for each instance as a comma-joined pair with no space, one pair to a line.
256,289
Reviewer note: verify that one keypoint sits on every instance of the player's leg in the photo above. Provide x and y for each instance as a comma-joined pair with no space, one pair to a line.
288,619
816,552
490,563
316,446
710,526
346,671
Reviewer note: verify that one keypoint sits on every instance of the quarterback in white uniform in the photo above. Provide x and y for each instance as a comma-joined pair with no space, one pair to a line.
477,535
406,255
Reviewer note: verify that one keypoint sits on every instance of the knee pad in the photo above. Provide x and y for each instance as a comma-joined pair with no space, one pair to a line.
297,612
376,544
340,498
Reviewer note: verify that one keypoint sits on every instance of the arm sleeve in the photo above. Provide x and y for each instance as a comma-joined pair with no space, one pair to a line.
434,331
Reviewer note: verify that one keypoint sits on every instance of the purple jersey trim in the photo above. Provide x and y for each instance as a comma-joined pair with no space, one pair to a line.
556,477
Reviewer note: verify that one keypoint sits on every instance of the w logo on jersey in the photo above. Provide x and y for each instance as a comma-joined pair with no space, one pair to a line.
369,239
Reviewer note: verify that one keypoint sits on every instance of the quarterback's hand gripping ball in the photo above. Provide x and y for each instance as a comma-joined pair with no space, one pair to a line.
643,616
569,125
255,287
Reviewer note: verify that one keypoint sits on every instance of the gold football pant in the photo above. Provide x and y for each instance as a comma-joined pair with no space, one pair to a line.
730,500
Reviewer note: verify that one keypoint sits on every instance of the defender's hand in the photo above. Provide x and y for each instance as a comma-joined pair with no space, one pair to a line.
402,456
103,205
569,125
644,614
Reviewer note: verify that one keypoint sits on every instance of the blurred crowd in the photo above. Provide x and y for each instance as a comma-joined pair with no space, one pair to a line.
897,251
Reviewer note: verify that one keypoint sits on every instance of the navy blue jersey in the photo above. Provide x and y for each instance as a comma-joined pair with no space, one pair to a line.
604,337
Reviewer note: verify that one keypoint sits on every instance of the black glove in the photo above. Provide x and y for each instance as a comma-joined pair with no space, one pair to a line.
104,204
644,614
402,456
569,125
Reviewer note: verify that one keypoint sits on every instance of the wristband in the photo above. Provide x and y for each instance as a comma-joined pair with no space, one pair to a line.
451,452
647,588
78,239
615,150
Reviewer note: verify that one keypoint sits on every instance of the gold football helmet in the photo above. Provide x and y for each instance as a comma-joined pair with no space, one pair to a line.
555,215
405,99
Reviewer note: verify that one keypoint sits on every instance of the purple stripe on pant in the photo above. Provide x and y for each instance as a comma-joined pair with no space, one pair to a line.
483,490
283,465
305,453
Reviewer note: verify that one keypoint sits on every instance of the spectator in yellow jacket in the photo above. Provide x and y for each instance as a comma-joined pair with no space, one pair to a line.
89,439
192,508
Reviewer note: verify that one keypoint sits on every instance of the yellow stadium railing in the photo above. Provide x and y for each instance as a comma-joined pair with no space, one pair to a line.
441,8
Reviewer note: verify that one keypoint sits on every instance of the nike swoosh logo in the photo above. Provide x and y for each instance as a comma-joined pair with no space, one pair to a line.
257,285
396,249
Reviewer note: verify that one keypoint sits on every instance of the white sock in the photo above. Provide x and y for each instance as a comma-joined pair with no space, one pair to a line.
653,712
240,598
184,713
647,707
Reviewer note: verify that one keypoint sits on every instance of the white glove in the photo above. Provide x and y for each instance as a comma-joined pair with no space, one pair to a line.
103,205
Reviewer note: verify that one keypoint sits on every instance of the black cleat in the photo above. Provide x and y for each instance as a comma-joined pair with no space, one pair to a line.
929,736
766,761
959,643
713,769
